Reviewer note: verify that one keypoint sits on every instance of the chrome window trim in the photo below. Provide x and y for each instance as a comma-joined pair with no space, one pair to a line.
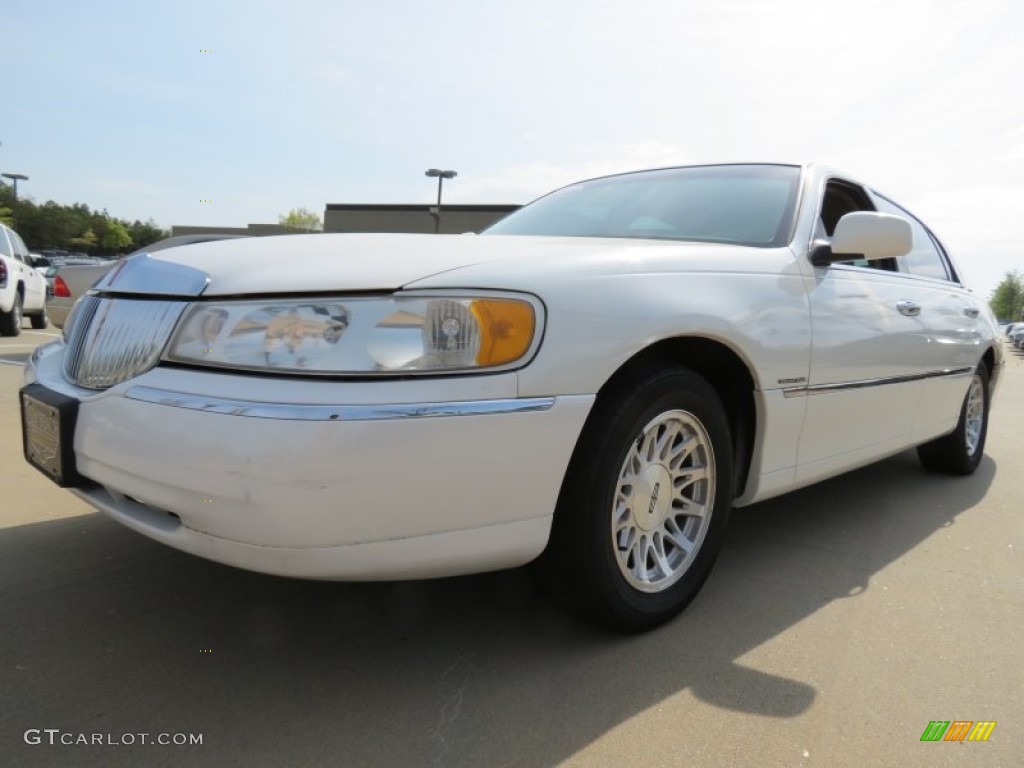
825,389
306,412
947,263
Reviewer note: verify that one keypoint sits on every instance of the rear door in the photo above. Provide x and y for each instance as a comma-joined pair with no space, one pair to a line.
953,320
9,281
35,283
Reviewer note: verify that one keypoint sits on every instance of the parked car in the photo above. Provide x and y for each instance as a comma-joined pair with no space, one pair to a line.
1017,336
592,383
50,273
55,255
74,278
22,286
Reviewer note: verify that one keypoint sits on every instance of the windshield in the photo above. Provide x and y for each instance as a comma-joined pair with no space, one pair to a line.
742,204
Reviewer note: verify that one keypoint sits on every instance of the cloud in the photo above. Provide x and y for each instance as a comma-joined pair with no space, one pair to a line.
333,74
522,183
122,185
1014,153
978,226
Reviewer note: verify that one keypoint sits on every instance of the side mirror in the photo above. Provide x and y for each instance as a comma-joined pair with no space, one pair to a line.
865,235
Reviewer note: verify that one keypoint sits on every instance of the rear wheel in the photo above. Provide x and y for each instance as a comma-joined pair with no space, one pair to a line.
644,506
960,452
40,320
10,322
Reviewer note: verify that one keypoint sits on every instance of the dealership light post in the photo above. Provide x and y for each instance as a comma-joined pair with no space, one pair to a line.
441,176
15,178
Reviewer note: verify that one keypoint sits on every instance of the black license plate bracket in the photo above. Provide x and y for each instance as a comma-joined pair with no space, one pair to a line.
48,421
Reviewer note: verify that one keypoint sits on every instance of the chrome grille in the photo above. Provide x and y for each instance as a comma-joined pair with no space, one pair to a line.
113,340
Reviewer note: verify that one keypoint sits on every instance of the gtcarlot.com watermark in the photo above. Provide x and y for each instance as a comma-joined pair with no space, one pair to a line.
55,736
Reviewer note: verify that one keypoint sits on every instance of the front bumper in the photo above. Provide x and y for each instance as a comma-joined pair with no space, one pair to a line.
404,479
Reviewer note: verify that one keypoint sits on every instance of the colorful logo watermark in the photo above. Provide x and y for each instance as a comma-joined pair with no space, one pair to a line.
958,730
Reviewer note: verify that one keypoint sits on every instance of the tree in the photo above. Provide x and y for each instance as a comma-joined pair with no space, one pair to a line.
116,237
301,219
1007,299
86,240
78,227
7,205
144,233
55,225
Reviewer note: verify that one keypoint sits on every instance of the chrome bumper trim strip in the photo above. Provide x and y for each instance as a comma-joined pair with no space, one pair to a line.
825,389
302,412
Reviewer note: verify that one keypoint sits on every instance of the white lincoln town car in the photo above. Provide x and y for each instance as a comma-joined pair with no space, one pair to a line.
592,383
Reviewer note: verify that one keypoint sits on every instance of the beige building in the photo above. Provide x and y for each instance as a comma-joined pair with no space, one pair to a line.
253,230
361,217
455,219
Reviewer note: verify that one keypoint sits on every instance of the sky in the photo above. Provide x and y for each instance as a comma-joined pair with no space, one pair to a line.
225,113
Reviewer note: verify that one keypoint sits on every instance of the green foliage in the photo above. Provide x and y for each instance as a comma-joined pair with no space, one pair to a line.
1007,299
144,233
116,238
301,219
75,227
86,240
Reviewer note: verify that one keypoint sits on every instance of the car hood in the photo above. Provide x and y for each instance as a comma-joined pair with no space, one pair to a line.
387,262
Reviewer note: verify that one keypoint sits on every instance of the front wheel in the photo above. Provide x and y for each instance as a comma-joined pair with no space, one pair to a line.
645,503
960,452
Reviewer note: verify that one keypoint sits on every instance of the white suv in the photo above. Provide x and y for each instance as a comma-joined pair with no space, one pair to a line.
22,287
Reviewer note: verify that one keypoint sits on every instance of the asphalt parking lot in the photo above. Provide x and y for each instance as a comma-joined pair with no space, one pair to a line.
839,621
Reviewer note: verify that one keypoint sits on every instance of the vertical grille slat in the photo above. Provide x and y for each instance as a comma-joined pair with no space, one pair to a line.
81,318
113,340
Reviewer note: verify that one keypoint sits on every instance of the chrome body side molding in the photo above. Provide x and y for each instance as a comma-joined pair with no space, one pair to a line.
824,389
309,412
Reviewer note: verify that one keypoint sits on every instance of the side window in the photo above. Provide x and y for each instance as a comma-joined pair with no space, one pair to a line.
5,248
20,249
925,258
841,198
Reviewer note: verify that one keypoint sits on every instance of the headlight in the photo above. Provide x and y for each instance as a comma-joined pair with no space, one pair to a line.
357,336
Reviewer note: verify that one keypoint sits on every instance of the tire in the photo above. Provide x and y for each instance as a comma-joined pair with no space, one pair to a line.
617,553
960,452
10,322
41,320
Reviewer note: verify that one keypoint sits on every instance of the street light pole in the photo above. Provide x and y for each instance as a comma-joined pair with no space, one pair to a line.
441,176
15,177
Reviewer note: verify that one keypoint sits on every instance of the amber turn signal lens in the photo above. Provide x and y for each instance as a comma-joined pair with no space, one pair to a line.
506,330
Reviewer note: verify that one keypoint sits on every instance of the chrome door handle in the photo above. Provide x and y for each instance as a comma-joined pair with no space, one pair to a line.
971,312
909,308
